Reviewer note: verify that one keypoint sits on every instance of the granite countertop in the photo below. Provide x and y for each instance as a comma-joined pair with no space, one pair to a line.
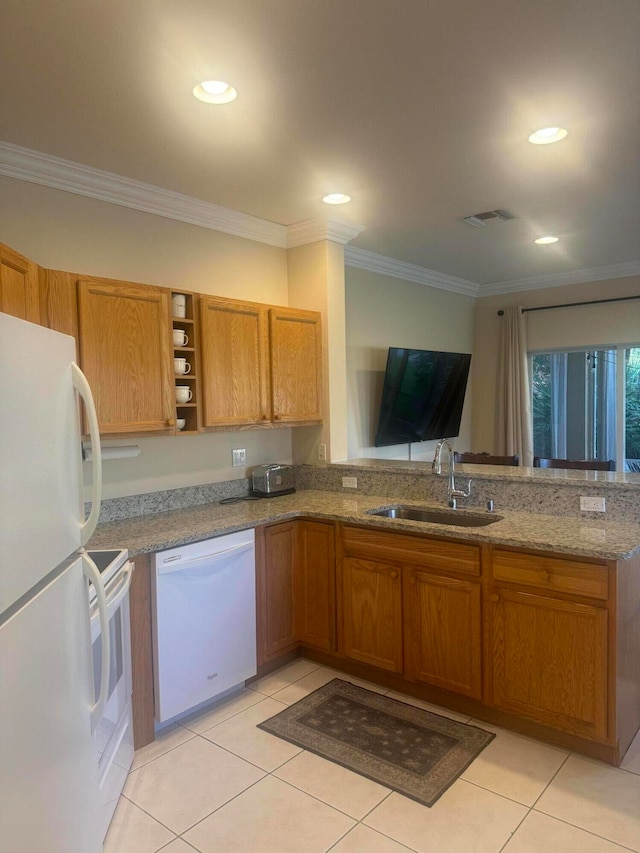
608,540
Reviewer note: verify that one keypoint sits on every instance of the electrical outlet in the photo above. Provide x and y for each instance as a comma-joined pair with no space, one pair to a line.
238,457
349,482
322,453
592,504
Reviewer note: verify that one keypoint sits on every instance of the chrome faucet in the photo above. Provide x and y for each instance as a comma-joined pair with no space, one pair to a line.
436,467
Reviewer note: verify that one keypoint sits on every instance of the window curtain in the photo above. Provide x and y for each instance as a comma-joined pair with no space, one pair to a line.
514,419
558,364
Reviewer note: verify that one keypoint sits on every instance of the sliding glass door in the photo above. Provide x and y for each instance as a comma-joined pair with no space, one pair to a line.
586,405
631,436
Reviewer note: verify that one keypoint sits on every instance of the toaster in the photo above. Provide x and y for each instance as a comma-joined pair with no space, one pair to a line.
274,479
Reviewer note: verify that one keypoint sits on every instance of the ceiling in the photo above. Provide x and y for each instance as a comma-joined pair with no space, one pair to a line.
419,109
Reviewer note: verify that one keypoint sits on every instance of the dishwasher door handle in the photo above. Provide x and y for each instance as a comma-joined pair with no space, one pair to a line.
206,560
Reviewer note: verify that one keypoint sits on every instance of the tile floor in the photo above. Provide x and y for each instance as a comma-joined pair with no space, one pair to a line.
216,784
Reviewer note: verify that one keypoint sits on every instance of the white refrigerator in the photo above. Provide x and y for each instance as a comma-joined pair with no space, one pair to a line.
49,796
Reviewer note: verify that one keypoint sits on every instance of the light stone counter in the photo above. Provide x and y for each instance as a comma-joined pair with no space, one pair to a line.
611,540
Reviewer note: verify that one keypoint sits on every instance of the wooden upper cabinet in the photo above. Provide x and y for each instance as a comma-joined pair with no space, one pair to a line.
18,286
125,353
234,353
58,301
260,365
296,365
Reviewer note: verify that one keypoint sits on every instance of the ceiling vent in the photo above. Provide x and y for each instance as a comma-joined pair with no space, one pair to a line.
479,219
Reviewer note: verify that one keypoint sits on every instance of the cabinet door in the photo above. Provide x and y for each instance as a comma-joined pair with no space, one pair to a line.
315,587
442,632
277,630
18,286
296,365
550,661
234,353
58,301
126,355
372,612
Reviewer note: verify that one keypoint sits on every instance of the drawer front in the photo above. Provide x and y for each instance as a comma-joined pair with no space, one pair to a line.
552,573
422,551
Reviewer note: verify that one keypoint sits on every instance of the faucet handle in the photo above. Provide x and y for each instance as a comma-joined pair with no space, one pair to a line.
462,493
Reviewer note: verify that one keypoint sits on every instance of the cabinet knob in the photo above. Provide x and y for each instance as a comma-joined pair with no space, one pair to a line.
544,575
495,598
171,422
393,575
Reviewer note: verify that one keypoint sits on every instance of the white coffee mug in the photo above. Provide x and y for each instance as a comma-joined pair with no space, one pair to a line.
180,338
179,305
181,366
180,423
183,394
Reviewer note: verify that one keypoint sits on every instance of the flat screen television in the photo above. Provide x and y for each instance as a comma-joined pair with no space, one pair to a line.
422,395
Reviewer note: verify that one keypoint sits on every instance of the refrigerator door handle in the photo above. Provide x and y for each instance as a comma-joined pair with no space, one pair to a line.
82,387
91,572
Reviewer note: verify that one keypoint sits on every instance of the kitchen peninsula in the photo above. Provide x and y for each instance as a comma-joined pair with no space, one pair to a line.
531,622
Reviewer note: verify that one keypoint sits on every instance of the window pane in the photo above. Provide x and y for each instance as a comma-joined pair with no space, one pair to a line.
632,409
574,404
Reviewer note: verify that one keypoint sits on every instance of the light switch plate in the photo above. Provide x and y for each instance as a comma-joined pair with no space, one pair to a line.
238,457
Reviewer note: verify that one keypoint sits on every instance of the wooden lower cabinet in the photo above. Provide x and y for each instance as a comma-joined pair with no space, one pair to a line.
442,631
274,589
315,585
140,607
296,588
372,613
550,661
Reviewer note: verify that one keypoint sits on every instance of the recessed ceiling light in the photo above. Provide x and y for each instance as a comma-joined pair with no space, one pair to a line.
336,198
544,241
547,134
215,92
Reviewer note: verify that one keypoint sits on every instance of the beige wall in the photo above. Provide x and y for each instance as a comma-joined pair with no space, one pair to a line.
63,231
60,230
561,328
316,281
383,312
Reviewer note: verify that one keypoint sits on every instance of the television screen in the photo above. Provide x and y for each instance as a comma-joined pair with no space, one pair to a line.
422,395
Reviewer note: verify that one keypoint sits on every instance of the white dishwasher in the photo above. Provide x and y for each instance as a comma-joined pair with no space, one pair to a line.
204,621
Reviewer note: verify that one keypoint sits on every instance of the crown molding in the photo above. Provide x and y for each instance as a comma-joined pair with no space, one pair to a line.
361,259
323,228
574,277
38,168
25,164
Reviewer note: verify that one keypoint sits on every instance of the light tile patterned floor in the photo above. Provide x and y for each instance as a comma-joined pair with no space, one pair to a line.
214,783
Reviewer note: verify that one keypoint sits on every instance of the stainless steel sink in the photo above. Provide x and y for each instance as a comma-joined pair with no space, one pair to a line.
437,516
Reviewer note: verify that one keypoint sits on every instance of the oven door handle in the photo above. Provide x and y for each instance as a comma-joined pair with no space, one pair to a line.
91,572
113,601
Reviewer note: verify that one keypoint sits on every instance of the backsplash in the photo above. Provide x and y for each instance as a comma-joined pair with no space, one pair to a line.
115,509
550,496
